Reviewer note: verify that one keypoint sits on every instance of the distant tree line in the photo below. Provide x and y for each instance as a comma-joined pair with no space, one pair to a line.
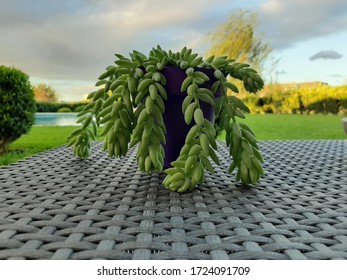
47,101
322,99
45,107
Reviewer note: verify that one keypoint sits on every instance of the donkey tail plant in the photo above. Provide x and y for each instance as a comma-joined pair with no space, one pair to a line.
131,101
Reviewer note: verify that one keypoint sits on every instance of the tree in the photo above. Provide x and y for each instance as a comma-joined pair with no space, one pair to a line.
237,38
44,93
17,105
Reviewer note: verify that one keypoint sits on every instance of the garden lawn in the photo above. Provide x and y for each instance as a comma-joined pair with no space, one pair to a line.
40,138
292,127
266,127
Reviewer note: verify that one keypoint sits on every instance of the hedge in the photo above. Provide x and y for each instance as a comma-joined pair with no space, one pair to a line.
45,107
320,100
64,110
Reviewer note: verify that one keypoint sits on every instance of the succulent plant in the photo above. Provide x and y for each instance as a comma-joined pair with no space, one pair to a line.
130,103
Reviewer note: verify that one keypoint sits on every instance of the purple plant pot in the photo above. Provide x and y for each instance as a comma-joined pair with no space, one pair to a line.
176,127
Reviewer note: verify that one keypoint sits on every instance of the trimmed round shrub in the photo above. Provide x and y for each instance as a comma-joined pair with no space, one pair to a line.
64,110
79,108
17,105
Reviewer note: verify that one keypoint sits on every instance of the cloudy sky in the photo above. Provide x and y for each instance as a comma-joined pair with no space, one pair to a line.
67,43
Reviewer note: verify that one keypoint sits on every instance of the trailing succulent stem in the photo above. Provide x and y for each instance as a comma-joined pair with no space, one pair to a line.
189,169
130,103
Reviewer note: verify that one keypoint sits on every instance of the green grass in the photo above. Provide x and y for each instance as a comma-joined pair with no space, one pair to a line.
291,127
40,138
266,127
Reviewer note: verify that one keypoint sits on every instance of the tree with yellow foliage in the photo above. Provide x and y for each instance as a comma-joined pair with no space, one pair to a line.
237,38
44,93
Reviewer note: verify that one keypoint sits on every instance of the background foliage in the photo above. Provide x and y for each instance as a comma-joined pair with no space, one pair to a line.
45,93
322,99
17,105
44,107
238,38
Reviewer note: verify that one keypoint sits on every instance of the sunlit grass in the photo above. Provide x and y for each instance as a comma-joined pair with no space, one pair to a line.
266,127
40,138
292,127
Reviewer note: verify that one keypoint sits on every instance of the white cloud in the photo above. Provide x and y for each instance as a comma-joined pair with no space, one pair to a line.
286,23
75,40
60,41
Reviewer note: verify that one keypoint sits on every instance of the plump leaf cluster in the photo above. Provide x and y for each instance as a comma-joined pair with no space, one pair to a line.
130,103
17,105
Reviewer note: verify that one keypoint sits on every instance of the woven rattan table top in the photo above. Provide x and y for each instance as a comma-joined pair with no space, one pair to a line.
53,206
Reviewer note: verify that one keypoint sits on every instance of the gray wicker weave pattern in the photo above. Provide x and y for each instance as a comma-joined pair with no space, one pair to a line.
53,206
